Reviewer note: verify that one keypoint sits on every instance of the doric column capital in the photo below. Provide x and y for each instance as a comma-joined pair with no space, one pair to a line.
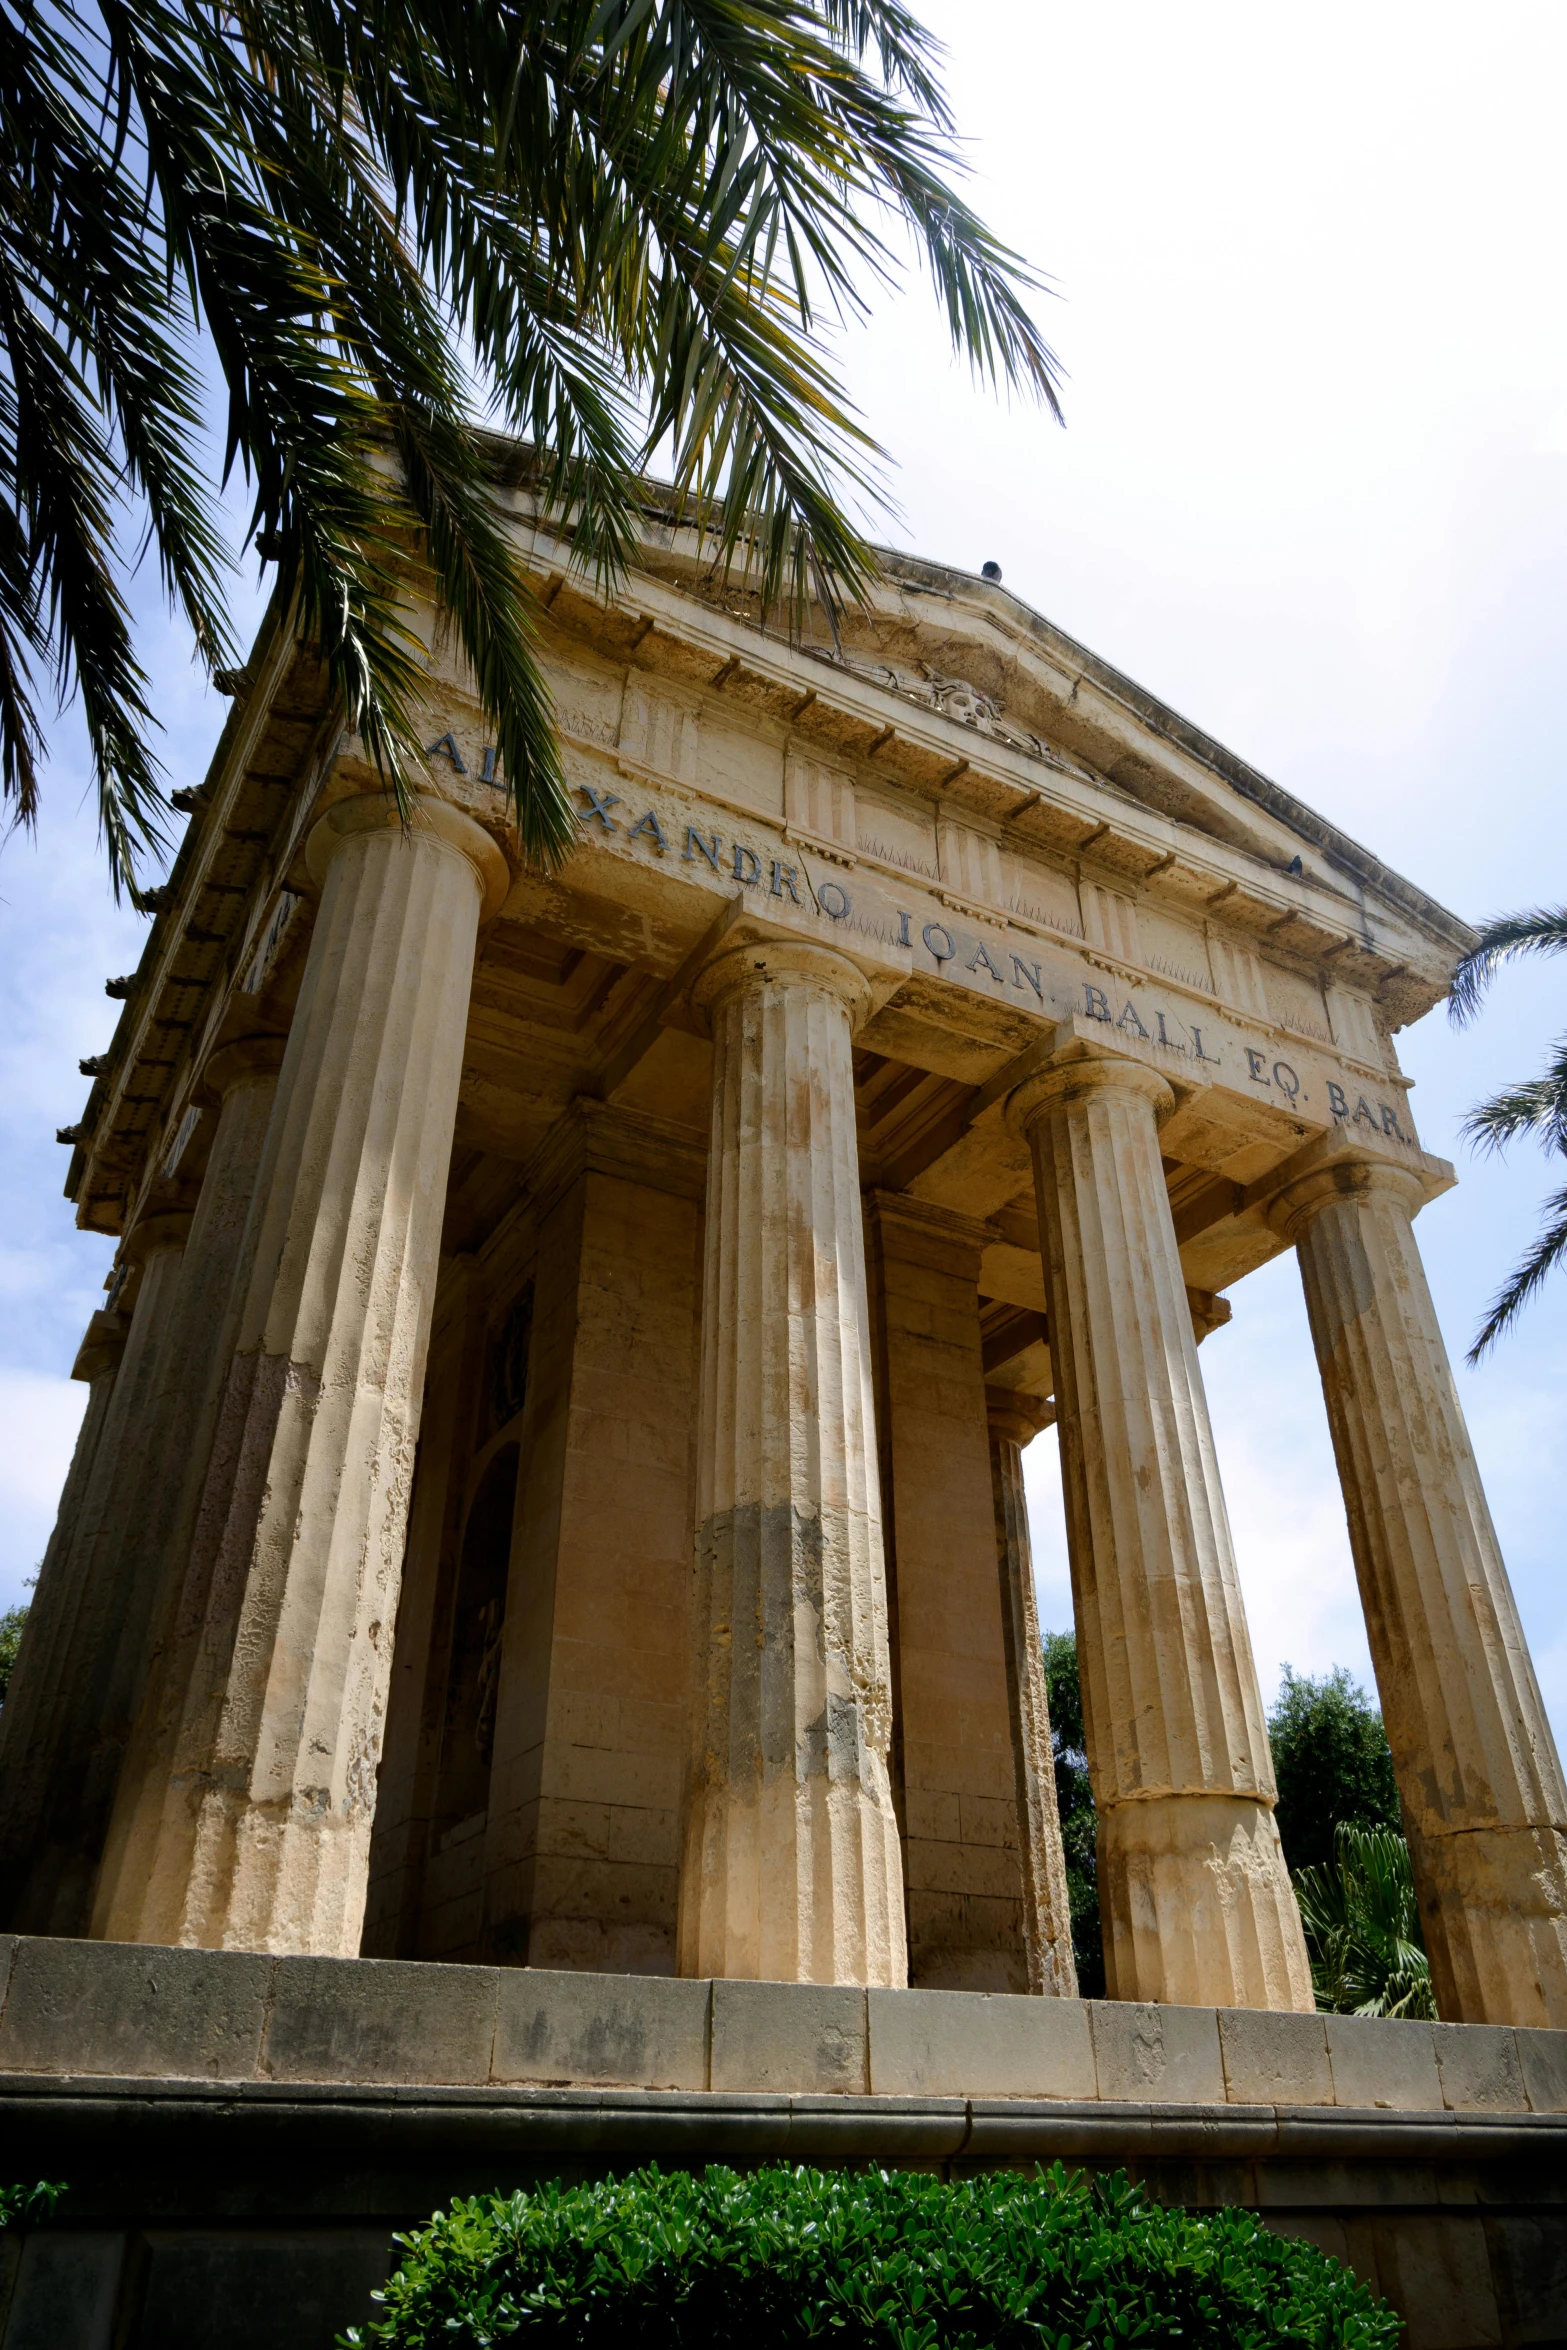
155,1232
249,1060
603,1138
1298,1204
428,819
1079,1074
103,1343
927,1232
778,963
1015,1417
1209,1312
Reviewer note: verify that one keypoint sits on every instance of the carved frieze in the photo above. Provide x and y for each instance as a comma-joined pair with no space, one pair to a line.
964,703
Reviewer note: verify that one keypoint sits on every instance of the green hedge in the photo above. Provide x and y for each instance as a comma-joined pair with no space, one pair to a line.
786,2256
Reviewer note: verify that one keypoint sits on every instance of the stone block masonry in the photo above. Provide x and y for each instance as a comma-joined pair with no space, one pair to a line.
227,2117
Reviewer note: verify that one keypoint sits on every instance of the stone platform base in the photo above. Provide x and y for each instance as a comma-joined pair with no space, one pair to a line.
241,2135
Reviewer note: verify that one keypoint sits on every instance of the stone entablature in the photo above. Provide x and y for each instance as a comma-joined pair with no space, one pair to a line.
1072,853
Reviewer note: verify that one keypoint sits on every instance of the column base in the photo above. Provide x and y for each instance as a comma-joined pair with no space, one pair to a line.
1493,1903
275,1876
1198,1907
803,1884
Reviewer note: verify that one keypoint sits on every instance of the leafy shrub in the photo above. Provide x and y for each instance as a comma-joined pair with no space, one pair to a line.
29,2207
781,2256
11,1622
1075,1804
1368,1955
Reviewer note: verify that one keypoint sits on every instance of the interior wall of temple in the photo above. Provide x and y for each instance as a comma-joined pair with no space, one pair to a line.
539,1728
956,1783
426,1873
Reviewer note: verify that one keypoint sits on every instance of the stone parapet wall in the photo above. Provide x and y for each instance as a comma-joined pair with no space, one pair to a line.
131,2012
127,2012
241,2134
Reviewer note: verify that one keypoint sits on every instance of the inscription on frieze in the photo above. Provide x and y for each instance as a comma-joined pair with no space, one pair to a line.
1123,1006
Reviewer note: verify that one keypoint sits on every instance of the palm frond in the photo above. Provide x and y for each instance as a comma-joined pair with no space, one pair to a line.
1538,1107
396,337
907,53
65,476
1541,931
1549,1251
618,223
22,642
694,179
1362,1927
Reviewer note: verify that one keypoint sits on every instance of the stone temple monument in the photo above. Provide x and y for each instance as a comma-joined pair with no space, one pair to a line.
550,1501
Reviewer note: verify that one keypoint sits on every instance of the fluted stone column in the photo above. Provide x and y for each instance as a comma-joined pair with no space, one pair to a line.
792,1868
1197,1903
263,1838
142,1709
86,1598
1478,1773
52,1612
1047,1911
97,1365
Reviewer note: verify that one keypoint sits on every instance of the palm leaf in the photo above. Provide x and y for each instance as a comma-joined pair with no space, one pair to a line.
616,223
1549,1251
1542,931
1538,1107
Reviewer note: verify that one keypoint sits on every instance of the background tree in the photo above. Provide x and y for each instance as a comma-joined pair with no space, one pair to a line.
11,1622
1075,1801
1332,1764
614,226
1537,1108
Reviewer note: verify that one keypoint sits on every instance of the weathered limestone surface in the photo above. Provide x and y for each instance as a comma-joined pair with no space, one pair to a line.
1047,1916
34,1691
91,1613
966,1873
791,1858
117,2011
581,1852
1197,1902
1478,1773
424,1893
263,1835
139,1719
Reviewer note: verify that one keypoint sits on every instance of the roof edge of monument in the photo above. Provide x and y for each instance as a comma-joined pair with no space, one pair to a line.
923,573
519,460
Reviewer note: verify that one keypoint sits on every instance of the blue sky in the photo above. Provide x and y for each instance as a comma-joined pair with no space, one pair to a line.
1312,490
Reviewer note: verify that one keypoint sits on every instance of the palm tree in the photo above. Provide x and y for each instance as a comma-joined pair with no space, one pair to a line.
1537,1107
1363,1929
611,226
